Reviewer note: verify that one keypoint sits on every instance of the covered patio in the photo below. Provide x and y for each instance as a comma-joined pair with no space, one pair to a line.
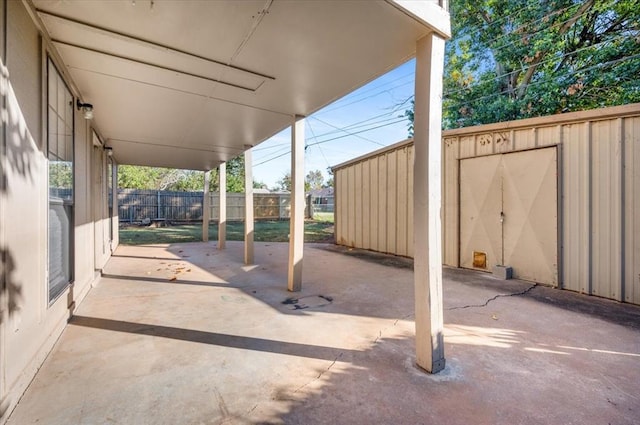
88,86
188,334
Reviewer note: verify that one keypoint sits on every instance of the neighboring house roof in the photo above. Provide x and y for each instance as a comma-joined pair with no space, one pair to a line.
324,192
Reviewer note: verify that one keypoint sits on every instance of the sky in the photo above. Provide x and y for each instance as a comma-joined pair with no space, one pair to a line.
361,122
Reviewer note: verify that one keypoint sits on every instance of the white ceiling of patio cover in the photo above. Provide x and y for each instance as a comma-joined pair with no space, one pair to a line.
190,84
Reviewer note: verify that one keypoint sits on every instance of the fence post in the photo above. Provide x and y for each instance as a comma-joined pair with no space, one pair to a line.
158,206
309,207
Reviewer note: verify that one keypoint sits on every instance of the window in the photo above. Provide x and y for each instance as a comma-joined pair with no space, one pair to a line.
110,169
60,155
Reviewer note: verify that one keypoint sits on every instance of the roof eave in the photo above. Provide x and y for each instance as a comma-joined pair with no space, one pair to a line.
427,13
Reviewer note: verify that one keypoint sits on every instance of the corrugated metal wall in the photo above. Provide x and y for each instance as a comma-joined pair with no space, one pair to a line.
374,201
598,189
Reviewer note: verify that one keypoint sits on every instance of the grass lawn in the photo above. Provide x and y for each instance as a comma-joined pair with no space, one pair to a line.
323,216
320,230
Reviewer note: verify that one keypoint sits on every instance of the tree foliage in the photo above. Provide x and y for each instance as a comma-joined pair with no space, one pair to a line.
313,180
156,178
330,180
284,184
509,59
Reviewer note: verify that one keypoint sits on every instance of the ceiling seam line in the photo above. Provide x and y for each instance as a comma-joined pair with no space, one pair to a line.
261,14
102,52
161,145
151,43
183,91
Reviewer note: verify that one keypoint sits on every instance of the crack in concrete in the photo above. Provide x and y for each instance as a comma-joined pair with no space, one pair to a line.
486,303
405,317
321,373
221,403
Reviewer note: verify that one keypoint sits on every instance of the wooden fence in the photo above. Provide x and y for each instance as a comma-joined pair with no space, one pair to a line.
137,205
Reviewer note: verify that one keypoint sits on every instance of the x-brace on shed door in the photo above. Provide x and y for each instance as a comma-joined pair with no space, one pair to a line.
509,213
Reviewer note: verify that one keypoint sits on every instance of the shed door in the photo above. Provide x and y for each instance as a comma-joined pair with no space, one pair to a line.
480,206
509,213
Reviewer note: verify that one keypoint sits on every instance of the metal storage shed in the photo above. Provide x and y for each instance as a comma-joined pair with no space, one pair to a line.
557,198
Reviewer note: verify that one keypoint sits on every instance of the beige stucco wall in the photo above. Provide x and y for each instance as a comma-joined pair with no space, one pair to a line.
598,187
29,326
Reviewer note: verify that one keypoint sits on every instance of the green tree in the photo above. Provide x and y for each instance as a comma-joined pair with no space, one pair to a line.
284,184
259,185
156,178
314,180
509,59
235,175
329,182
60,174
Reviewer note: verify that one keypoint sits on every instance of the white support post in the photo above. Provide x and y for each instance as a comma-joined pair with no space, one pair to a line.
222,213
427,194
296,223
248,207
115,220
206,207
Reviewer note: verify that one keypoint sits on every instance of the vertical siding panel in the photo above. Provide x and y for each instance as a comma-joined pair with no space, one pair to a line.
351,202
467,147
392,189
575,194
547,136
632,210
502,141
606,209
401,202
484,144
366,204
410,234
357,190
524,139
382,203
374,202
450,202
343,206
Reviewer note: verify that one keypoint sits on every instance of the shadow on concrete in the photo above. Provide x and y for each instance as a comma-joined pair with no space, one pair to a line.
616,312
140,257
480,385
371,256
167,281
492,376
623,314
212,338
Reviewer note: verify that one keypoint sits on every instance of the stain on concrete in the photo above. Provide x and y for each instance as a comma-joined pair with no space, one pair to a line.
309,301
452,371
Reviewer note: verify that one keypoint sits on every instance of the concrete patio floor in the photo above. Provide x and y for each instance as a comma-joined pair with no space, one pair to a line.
218,345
